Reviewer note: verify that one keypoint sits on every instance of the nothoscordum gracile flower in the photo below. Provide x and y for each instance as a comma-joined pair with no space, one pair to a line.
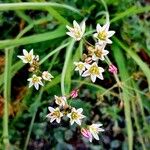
112,69
103,34
47,76
36,81
95,129
28,57
80,66
87,134
76,116
93,71
77,31
61,101
99,52
54,114
74,93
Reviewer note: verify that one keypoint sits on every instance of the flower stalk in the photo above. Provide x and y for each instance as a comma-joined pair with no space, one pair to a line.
7,89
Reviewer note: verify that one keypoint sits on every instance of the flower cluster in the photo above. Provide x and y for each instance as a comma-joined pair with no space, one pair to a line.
38,76
64,109
89,65
75,115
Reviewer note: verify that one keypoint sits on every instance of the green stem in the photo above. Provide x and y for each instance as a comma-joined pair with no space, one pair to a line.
66,64
32,121
7,91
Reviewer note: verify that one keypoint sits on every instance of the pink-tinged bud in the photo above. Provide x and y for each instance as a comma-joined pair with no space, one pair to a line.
87,134
112,69
74,93
88,60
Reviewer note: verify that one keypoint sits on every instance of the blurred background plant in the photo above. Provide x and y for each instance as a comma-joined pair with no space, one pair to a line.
37,25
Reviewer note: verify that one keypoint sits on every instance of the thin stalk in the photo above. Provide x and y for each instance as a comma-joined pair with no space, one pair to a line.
66,63
137,125
32,121
7,91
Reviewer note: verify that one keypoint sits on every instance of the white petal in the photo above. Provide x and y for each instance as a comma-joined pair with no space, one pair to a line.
52,119
94,57
101,42
80,72
36,85
69,28
31,52
80,110
95,136
108,41
51,109
25,52
70,34
40,82
83,26
87,65
58,120
71,121
110,33
78,122
86,73
30,84
93,78
95,35
98,28
76,25
100,76
106,26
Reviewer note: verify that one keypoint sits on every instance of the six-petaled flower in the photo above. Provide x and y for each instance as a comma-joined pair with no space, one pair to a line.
54,114
36,81
93,71
103,34
61,101
80,66
47,76
77,31
76,116
27,56
95,129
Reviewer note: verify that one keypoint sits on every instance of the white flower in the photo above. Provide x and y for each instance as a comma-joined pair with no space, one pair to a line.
76,116
103,34
54,114
80,66
36,81
28,57
99,52
47,76
61,101
77,30
93,71
95,129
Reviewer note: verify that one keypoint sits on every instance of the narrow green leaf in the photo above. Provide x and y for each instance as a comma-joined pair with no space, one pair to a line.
59,32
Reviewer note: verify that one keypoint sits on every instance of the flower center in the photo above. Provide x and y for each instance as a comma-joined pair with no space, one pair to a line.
28,57
59,100
94,130
94,70
35,79
102,35
56,114
98,53
74,115
80,66
77,33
